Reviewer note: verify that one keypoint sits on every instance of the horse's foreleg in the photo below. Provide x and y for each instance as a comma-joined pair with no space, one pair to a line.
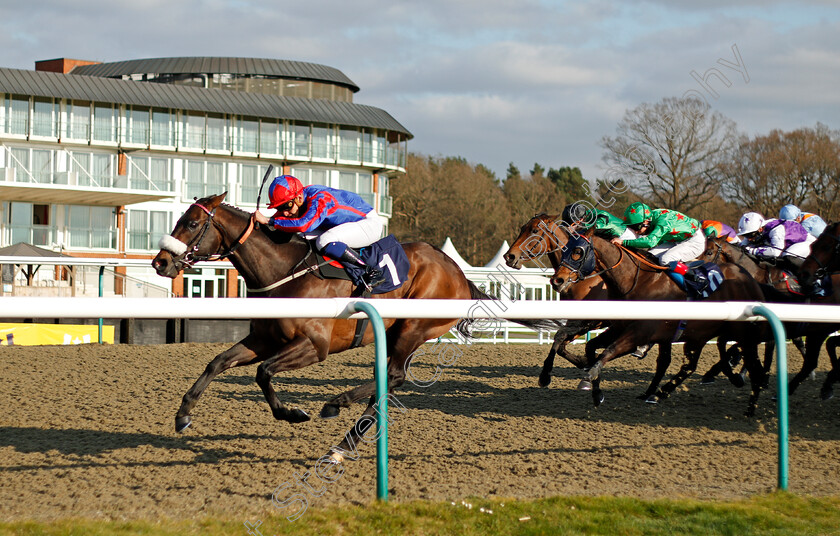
756,372
663,361
809,362
299,353
545,374
404,338
717,368
245,352
691,350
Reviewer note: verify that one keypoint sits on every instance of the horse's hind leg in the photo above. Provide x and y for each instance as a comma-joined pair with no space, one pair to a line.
827,390
245,352
692,356
559,344
299,353
404,338
809,363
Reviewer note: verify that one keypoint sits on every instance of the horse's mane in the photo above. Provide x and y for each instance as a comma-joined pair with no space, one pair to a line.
278,237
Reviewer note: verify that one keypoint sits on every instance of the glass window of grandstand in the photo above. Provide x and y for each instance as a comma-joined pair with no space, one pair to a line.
145,228
204,178
91,227
367,146
80,166
103,170
350,141
45,115
300,140
247,135
105,122
20,163
361,183
78,120
322,142
385,200
163,128
270,137
43,170
29,223
295,88
249,183
192,131
139,125
217,133
17,115
309,176
379,149
393,151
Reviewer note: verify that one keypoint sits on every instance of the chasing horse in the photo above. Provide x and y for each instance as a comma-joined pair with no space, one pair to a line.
278,264
635,277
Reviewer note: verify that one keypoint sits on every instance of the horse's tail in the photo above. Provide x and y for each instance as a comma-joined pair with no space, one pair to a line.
465,324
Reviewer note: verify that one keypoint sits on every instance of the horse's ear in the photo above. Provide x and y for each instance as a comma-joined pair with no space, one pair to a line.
215,201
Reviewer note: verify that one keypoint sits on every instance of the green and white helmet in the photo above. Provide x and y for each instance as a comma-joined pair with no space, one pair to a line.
636,213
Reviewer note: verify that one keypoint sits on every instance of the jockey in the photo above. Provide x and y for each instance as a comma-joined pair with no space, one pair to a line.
337,220
713,229
775,238
607,225
667,234
810,221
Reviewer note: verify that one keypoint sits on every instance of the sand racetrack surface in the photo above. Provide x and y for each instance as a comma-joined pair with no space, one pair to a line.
88,431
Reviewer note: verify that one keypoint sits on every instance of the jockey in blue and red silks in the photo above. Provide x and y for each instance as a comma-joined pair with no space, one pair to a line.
337,220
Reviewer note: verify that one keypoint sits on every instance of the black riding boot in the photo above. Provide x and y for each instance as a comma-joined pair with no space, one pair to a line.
372,276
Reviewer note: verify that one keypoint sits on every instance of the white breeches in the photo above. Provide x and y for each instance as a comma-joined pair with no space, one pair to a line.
686,250
356,234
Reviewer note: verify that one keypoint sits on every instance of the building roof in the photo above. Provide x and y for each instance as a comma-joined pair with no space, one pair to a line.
216,65
22,249
107,90
499,258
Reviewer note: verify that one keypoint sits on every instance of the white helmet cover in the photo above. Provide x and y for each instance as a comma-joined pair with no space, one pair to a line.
750,223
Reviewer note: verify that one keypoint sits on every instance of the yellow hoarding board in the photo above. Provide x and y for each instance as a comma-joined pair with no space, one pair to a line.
41,334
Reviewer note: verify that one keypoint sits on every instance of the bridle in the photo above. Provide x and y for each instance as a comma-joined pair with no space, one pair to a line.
191,256
584,267
822,269
528,254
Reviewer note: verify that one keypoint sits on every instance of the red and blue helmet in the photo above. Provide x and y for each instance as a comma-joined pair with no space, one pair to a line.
283,189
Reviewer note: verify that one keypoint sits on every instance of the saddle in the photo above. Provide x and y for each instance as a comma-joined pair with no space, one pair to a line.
386,254
700,279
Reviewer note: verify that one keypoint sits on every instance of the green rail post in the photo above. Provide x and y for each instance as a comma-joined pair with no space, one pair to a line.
381,378
782,394
101,274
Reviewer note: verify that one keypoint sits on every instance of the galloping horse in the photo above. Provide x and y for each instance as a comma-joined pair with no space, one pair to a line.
776,283
640,279
210,230
541,236
823,261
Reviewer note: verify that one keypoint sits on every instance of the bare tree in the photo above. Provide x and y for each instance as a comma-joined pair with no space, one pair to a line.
670,153
800,167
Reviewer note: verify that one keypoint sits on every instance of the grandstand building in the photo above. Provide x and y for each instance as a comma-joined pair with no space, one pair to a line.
100,159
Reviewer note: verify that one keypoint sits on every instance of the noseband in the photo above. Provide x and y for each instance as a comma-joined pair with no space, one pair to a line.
190,255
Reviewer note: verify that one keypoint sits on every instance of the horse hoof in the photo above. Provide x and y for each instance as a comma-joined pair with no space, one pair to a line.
707,380
598,399
652,400
182,423
827,394
297,415
544,380
737,380
584,385
329,411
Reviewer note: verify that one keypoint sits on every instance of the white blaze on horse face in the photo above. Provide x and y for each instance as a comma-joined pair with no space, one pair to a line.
172,245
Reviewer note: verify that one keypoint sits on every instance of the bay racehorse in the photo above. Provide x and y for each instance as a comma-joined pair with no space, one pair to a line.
545,236
636,276
211,230
823,262
778,286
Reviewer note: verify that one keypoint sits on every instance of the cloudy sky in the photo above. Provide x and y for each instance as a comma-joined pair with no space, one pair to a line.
491,81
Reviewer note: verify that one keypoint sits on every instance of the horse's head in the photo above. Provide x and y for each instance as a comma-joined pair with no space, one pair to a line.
576,262
542,234
194,238
824,257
